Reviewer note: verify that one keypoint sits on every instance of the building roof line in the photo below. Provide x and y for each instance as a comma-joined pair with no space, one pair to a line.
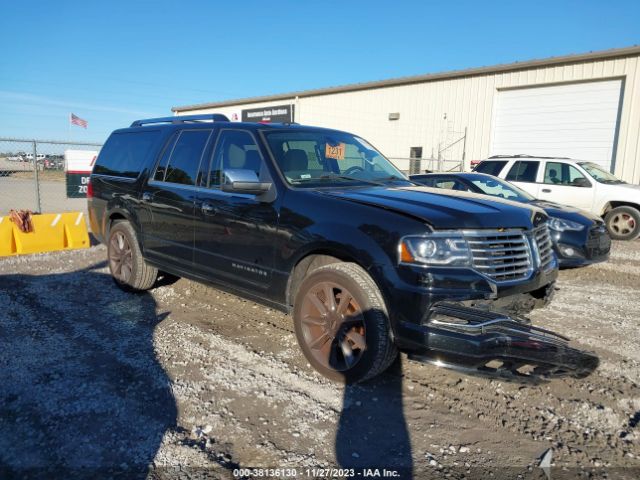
394,82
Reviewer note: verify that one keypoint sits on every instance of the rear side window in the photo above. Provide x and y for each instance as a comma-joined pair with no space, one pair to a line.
161,169
125,154
184,160
427,182
452,184
523,172
491,167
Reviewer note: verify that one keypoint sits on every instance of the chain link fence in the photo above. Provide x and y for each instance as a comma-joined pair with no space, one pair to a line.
37,175
449,157
410,166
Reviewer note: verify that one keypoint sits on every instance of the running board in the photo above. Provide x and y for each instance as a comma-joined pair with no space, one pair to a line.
491,344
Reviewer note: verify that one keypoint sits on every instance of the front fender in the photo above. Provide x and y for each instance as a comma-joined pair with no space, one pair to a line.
346,242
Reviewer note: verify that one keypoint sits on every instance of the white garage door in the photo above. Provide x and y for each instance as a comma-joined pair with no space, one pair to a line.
577,120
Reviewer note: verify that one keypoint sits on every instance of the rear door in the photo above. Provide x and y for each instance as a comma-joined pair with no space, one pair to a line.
564,183
235,234
524,174
169,198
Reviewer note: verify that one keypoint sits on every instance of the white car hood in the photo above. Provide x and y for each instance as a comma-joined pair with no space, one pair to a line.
620,191
628,185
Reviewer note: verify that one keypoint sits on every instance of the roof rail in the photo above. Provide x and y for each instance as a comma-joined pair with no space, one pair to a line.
216,117
524,155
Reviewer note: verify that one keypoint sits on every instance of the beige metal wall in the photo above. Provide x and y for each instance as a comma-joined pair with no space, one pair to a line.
432,113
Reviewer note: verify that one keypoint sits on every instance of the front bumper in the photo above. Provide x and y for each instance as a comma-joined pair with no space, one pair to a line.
492,344
415,290
579,249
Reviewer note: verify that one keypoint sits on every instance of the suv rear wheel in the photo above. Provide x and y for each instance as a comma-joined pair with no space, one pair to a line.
623,223
126,264
342,324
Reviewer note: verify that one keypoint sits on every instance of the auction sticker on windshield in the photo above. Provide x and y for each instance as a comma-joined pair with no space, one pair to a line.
335,151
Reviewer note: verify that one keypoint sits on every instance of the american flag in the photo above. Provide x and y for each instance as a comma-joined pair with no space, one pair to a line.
75,120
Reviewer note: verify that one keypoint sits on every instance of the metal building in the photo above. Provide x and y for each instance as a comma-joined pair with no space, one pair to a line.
584,106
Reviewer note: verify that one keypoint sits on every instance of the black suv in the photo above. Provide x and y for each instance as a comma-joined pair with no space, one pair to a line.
318,223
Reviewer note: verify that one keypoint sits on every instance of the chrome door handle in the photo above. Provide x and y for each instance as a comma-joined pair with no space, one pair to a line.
146,197
546,190
208,208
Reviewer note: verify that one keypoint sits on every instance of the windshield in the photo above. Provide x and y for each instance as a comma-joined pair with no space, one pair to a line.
599,174
311,158
500,188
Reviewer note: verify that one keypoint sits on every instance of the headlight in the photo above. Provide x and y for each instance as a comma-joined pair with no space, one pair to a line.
435,249
561,225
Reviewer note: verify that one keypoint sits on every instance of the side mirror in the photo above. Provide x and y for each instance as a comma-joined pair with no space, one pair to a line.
243,181
581,182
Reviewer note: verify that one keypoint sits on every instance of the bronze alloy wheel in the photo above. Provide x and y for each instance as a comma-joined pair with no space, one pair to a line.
120,257
333,326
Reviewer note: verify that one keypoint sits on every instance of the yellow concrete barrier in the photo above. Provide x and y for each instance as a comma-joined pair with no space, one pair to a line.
51,232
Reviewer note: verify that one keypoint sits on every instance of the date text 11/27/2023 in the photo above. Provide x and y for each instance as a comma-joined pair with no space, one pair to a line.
315,473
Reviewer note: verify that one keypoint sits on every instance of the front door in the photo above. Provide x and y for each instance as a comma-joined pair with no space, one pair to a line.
169,198
235,234
563,183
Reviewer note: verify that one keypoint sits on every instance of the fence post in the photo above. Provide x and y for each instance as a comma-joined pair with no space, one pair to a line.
35,175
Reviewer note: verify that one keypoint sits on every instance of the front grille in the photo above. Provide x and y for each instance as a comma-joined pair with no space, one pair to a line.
503,256
545,246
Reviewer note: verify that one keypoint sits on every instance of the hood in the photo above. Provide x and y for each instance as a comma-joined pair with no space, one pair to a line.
566,212
630,186
445,209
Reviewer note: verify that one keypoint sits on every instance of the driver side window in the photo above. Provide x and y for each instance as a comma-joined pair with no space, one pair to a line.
235,150
556,173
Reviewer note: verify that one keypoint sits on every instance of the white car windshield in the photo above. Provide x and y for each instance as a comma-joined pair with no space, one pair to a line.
599,174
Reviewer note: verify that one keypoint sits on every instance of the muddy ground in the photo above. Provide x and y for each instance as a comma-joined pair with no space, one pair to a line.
189,381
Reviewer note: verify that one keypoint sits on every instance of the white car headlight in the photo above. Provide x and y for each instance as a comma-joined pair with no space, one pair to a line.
435,249
561,224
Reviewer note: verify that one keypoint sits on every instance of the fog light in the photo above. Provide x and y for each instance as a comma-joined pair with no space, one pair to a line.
568,250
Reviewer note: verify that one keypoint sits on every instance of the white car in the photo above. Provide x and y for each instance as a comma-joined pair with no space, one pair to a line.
584,185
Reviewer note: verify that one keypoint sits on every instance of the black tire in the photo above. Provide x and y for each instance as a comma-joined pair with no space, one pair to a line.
127,267
358,339
623,223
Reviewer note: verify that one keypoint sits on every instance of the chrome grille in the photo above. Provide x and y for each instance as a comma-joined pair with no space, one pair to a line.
544,245
501,255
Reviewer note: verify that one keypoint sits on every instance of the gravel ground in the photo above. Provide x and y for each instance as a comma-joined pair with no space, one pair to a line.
190,381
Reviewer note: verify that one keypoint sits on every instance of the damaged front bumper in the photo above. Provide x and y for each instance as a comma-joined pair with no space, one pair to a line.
493,344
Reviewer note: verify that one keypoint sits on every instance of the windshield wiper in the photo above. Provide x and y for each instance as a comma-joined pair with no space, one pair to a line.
337,176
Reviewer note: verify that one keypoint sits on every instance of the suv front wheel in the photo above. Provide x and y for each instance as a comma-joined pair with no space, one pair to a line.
127,267
342,324
623,223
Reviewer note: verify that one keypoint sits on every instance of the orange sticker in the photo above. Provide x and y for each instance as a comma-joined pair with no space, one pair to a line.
336,151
